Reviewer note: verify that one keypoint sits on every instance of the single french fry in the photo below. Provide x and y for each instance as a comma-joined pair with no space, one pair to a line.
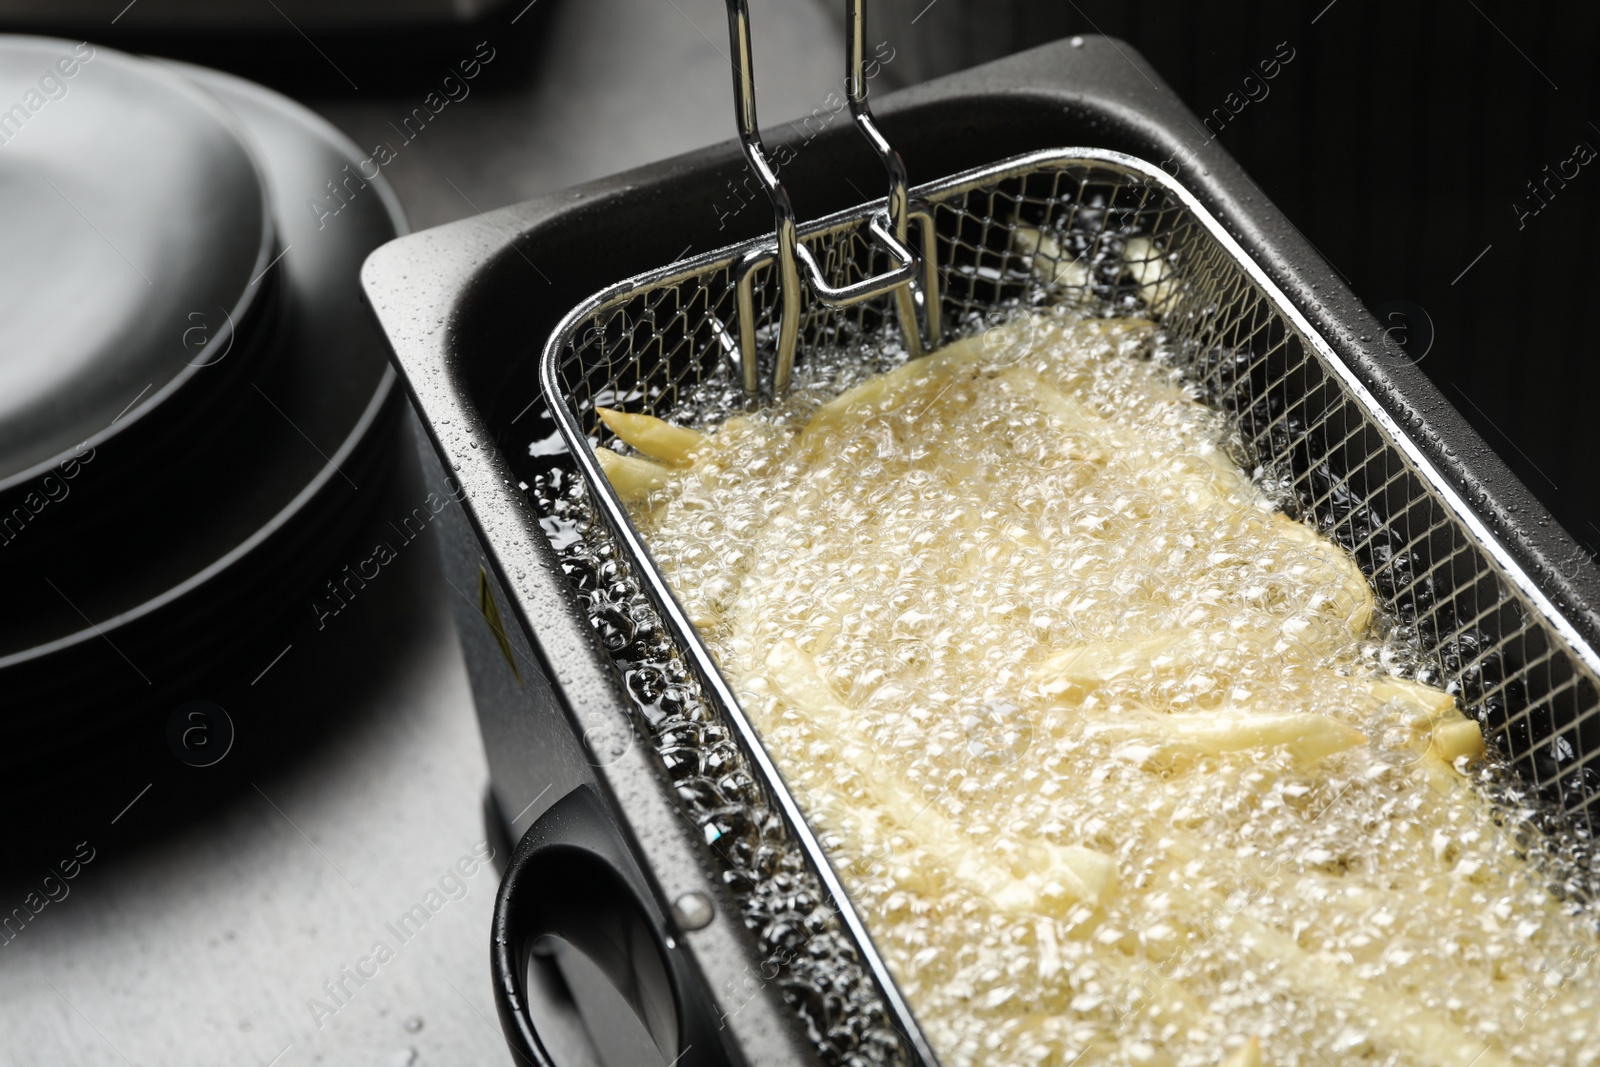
1192,735
1452,740
1052,264
1248,1055
673,445
1436,704
1308,736
1150,269
1354,596
631,476
1074,671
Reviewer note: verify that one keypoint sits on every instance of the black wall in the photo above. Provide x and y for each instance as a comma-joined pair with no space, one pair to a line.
1400,138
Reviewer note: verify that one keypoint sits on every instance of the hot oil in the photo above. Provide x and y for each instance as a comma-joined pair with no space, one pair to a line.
1109,752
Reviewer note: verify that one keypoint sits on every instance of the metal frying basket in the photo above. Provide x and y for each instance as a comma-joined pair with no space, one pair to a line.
724,321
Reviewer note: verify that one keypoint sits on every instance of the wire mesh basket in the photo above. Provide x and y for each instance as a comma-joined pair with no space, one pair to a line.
654,342
1496,640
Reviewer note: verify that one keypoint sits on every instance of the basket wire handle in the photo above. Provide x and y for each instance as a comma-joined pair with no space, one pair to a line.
913,278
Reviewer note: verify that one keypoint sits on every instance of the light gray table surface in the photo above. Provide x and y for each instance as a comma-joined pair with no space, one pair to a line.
208,941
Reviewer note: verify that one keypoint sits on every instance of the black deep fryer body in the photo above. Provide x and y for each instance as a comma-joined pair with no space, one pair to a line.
467,315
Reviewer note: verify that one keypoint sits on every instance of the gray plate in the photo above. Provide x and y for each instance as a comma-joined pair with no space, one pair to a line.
241,529
130,205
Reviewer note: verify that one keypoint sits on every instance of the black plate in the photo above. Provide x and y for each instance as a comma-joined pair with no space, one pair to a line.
124,608
136,220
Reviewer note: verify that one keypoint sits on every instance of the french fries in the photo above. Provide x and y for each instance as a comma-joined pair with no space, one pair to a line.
1427,1038
1042,877
1067,411
1447,734
884,391
1192,709
1351,594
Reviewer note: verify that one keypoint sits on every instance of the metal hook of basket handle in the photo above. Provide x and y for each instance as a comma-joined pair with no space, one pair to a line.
890,230
901,209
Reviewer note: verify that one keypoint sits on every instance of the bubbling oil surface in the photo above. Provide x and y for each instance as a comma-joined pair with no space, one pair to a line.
1108,751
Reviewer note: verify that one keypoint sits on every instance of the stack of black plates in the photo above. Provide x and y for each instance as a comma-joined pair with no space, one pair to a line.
195,408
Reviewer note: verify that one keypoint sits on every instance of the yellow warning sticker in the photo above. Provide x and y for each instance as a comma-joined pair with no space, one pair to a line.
491,615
